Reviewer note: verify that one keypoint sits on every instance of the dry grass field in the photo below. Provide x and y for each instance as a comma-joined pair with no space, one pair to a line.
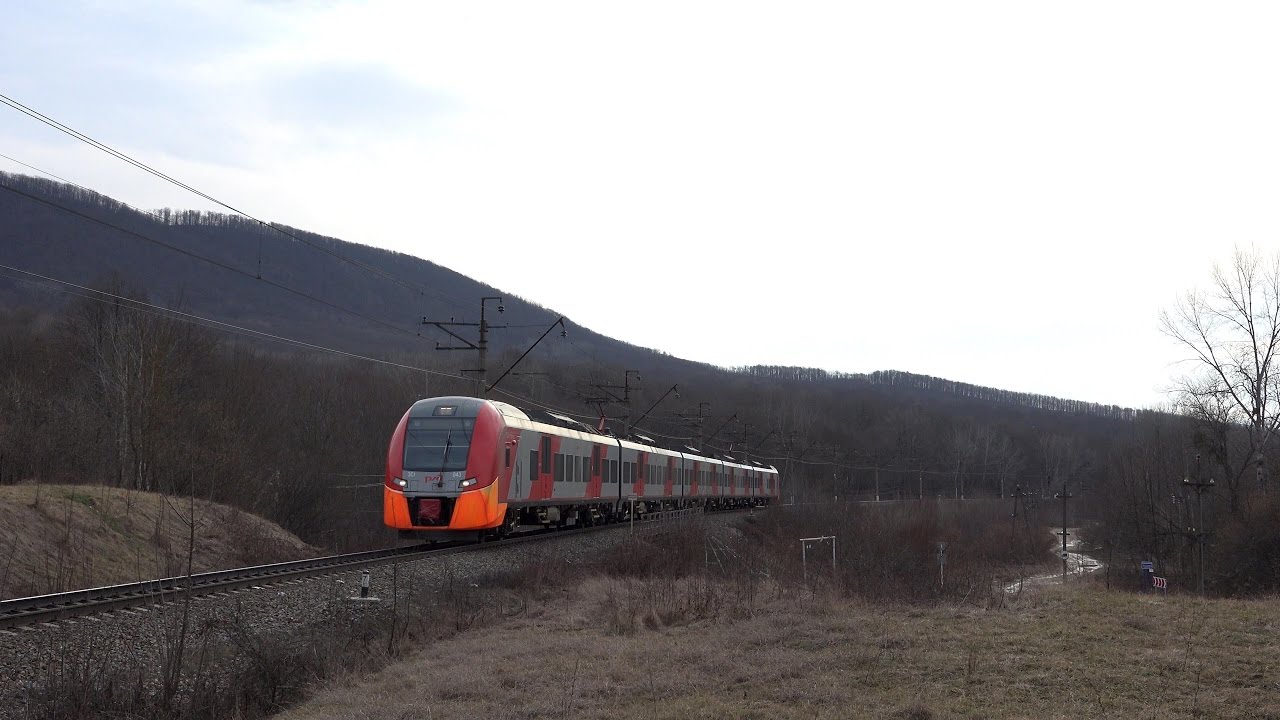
704,619
610,647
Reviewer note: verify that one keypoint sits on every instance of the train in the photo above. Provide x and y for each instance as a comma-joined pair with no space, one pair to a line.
466,468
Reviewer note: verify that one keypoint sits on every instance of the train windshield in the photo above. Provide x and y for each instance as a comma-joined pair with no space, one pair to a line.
437,444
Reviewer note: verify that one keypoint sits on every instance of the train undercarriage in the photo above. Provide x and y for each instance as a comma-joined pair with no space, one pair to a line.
528,518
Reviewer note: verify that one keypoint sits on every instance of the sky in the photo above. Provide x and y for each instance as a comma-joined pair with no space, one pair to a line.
1000,193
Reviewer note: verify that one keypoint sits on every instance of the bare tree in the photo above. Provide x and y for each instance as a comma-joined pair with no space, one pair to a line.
962,446
1233,332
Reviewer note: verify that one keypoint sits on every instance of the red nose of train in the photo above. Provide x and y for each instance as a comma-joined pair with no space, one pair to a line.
441,467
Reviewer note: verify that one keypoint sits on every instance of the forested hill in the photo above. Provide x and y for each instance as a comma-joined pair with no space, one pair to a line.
310,287
352,297
911,383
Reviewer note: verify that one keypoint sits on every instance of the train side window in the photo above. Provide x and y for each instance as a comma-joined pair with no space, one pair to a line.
586,467
546,455
559,473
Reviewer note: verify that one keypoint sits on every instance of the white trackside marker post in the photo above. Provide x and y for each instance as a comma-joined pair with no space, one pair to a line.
364,584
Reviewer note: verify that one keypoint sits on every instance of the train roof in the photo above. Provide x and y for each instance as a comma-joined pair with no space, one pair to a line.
462,406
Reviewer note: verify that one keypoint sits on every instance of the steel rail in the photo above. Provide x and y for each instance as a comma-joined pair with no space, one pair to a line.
61,606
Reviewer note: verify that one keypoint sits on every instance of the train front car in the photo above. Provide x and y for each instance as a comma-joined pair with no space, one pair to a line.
443,470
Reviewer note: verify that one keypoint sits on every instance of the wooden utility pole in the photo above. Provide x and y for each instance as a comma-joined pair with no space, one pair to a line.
1064,496
1198,533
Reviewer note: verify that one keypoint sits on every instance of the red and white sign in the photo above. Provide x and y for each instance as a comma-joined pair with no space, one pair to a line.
1159,583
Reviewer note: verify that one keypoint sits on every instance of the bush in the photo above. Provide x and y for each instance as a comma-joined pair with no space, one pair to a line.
1246,556
890,552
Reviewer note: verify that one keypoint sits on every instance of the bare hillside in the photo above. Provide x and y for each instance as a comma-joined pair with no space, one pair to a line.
55,538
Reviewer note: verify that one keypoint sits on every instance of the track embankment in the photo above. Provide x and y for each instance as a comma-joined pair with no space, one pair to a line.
56,538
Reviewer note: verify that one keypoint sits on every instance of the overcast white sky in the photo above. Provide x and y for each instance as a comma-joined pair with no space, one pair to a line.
1002,193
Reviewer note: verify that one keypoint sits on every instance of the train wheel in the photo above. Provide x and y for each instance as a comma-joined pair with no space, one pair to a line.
509,523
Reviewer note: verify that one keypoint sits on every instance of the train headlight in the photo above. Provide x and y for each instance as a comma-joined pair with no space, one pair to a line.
402,482
468,482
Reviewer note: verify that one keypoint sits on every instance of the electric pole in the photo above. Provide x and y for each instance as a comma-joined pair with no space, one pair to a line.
1064,496
1019,500
1198,533
482,347
692,422
610,397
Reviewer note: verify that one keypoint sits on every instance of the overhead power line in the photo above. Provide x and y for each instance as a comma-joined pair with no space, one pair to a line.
46,172
180,316
37,115
202,258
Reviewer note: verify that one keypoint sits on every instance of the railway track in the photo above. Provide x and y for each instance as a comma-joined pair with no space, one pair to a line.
61,606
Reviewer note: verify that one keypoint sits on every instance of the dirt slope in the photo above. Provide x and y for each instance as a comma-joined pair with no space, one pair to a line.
63,537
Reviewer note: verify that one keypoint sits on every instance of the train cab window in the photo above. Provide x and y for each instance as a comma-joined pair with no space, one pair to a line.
437,444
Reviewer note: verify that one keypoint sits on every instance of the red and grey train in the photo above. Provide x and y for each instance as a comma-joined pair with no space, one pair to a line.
463,467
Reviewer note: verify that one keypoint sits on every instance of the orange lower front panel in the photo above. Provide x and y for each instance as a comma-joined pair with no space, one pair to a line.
395,509
472,510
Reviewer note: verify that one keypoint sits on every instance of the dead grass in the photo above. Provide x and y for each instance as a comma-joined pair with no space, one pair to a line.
55,538
1075,652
